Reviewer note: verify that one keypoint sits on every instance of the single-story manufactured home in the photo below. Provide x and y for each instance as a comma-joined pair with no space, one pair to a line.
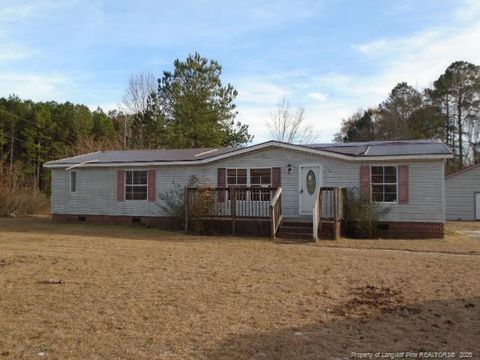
463,194
278,182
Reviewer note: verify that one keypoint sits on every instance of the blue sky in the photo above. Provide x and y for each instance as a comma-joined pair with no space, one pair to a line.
330,57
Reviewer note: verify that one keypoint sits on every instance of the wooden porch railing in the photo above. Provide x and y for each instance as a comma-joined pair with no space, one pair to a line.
276,212
329,208
233,203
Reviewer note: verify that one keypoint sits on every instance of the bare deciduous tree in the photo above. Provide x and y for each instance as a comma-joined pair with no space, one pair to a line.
140,87
289,125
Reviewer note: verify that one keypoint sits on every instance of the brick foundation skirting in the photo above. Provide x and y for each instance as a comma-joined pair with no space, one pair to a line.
410,230
254,227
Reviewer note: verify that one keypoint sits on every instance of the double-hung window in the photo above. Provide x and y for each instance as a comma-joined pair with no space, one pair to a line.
254,178
237,178
261,178
136,185
384,184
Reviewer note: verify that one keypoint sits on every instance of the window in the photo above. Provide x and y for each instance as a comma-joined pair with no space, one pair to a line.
255,178
261,178
237,178
136,186
73,181
384,183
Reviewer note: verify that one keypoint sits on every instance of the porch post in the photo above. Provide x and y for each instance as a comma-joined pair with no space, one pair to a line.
320,212
186,206
233,210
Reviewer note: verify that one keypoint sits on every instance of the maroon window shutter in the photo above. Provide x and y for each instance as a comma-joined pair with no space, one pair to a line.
221,182
365,182
276,177
120,185
151,185
403,184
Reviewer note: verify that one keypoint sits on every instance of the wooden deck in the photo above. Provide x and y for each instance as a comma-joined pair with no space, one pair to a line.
232,210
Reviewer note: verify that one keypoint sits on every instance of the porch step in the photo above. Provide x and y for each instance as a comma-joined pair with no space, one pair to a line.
295,236
297,222
296,229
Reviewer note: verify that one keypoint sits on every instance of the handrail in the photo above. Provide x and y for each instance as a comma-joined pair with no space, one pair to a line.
315,214
276,212
331,202
275,197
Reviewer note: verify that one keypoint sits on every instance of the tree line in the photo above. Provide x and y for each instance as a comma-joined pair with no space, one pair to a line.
191,107
186,107
448,111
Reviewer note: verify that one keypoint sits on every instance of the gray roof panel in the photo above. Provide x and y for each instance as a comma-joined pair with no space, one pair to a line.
158,155
358,149
387,148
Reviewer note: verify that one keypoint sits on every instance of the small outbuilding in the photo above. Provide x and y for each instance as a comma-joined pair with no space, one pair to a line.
463,194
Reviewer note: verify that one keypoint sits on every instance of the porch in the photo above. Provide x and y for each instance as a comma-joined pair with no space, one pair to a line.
258,211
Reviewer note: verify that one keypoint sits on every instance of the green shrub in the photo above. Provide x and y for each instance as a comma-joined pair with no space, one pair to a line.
172,201
361,216
172,204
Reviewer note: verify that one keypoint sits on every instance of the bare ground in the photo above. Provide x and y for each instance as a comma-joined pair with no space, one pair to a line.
106,292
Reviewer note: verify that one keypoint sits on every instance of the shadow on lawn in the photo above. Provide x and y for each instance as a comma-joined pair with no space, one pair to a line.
45,225
448,325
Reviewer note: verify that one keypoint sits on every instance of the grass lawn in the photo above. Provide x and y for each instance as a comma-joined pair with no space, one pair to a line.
110,292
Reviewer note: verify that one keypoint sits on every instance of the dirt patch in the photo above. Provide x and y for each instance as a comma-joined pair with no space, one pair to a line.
369,299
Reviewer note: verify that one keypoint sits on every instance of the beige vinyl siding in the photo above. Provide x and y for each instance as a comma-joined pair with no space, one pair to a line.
460,194
96,187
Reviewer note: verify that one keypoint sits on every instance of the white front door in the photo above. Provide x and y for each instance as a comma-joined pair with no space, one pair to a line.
309,184
477,206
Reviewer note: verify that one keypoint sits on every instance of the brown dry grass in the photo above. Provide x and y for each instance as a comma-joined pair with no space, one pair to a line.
455,241
104,292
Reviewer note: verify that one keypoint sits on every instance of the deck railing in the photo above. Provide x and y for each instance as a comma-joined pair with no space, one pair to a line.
329,208
276,212
233,203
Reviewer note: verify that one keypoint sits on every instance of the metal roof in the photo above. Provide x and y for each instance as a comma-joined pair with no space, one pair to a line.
345,150
158,155
387,148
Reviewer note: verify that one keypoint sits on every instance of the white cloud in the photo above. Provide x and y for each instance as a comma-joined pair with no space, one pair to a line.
418,59
11,52
13,11
469,11
318,96
260,91
38,87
